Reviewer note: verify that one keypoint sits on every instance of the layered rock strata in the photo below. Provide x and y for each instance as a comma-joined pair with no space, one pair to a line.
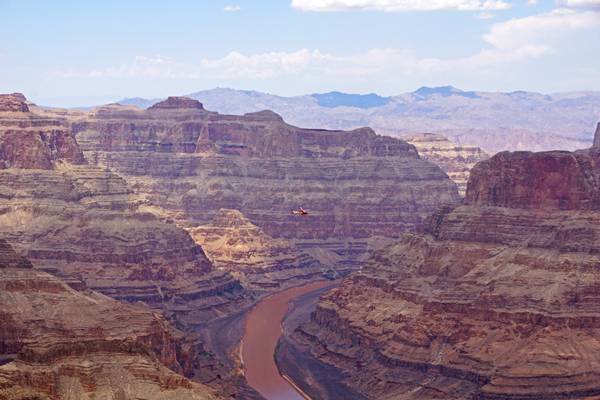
13,103
58,343
496,299
192,162
235,244
83,224
456,160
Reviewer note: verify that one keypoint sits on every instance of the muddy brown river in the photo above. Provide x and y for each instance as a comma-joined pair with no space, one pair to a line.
262,332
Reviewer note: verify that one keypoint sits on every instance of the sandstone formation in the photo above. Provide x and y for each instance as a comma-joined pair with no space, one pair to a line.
193,162
495,299
174,103
58,343
33,141
113,222
14,102
235,244
84,225
455,160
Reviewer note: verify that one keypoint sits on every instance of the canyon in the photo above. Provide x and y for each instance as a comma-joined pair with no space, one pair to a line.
117,204
494,298
158,247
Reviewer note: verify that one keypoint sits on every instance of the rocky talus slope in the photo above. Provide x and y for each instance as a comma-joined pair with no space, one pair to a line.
235,244
456,160
496,298
58,343
192,162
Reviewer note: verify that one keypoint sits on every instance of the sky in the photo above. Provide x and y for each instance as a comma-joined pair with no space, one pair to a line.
77,53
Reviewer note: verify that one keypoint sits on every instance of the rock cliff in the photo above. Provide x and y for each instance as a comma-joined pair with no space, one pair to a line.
58,343
14,102
456,160
235,244
597,136
495,299
192,162
85,225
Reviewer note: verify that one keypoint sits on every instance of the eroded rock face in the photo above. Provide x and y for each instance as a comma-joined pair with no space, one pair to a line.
235,244
355,184
175,103
597,136
548,180
33,141
496,299
85,225
14,102
57,343
456,160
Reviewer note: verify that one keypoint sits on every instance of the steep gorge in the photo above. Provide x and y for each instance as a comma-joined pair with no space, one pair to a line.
495,299
115,219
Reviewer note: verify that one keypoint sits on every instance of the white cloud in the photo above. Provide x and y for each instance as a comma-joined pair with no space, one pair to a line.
506,44
232,8
142,66
484,15
539,30
580,3
399,5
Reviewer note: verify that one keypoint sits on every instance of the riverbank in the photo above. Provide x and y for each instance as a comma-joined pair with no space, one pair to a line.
313,377
262,332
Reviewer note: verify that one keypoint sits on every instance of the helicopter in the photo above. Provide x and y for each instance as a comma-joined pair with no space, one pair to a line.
299,211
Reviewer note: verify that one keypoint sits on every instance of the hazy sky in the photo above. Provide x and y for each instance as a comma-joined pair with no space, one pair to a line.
88,52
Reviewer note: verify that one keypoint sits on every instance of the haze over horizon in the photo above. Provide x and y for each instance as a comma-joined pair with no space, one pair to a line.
87,53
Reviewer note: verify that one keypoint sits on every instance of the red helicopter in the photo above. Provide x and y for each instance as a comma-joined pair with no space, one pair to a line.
300,211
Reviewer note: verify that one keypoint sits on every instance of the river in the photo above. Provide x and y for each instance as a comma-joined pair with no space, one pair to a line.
262,332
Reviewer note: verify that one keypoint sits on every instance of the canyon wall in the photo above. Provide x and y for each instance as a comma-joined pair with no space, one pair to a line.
495,299
235,244
192,162
84,224
455,160
58,343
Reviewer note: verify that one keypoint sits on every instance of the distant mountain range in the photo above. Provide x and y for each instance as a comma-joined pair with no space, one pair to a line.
493,121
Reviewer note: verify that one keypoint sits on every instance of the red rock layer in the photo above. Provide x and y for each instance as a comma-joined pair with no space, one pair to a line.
489,302
174,102
33,141
57,343
14,102
191,162
85,225
550,180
